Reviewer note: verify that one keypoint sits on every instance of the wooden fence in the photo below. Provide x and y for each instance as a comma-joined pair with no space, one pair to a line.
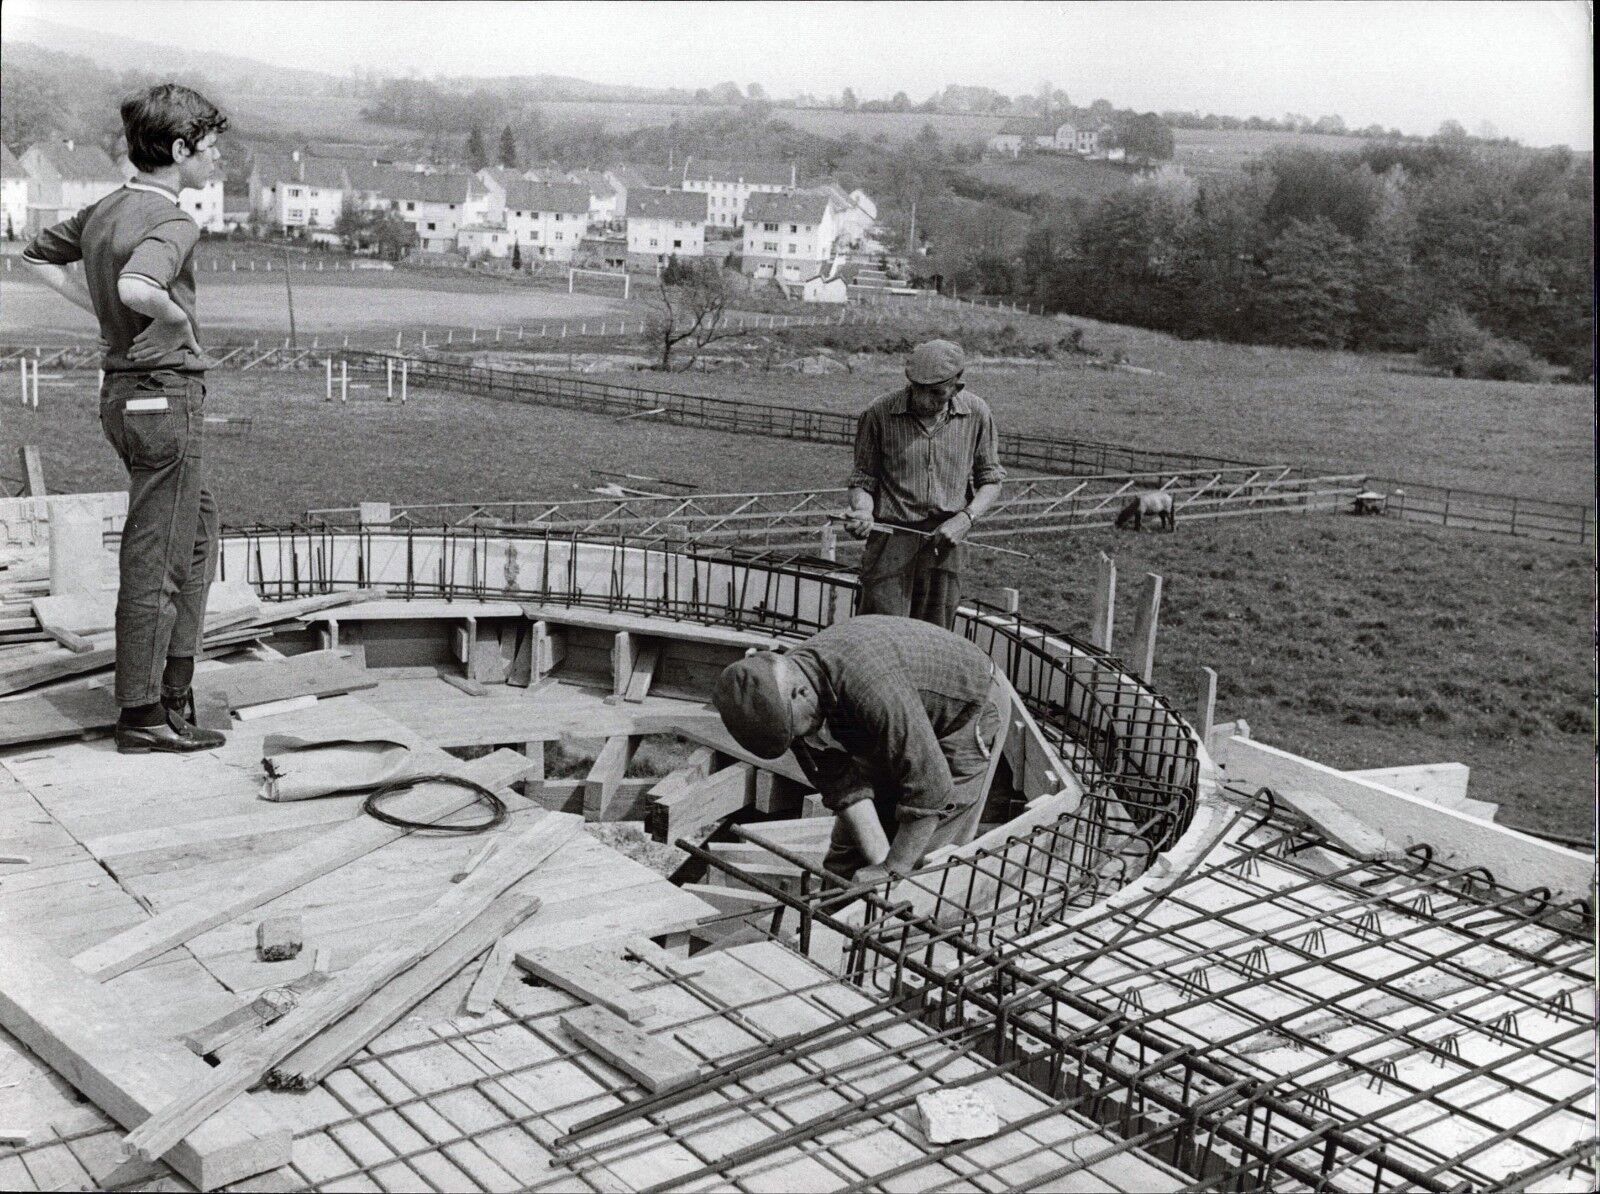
1498,513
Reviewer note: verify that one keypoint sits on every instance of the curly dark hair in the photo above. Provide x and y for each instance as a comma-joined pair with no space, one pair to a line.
156,117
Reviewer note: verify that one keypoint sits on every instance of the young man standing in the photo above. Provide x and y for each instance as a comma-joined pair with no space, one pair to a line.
927,460
137,280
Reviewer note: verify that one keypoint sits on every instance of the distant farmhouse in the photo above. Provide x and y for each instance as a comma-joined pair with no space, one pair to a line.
13,196
1046,133
663,225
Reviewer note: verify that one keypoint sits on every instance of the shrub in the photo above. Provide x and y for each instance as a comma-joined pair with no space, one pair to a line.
1457,345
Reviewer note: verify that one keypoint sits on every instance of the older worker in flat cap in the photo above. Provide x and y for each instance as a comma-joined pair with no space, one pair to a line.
891,719
927,459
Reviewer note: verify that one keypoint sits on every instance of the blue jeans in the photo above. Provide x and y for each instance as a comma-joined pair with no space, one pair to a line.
156,423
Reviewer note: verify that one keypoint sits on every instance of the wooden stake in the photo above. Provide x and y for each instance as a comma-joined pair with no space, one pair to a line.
1208,705
1103,612
1144,628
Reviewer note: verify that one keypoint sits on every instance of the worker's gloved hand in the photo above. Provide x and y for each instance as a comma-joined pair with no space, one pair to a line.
951,531
858,523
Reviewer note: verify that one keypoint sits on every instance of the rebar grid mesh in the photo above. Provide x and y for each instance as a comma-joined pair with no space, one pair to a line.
1276,1014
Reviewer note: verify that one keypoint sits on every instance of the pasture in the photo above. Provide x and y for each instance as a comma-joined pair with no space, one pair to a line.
1361,642
1342,411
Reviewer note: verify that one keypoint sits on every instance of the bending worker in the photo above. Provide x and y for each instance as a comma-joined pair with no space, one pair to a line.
892,720
927,459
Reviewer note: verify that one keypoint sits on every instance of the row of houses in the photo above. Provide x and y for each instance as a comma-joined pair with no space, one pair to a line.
626,217
1046,133
55,178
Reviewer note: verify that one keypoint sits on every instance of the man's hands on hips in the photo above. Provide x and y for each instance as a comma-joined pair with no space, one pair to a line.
162,338
952,531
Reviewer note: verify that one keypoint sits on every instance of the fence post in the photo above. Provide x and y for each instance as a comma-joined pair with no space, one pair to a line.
329,365
1513,516
388,386
830,542
1208,706
1446,508
405,369
1104,608
1144,628
344,381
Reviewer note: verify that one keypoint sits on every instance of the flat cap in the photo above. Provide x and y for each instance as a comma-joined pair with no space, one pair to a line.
753,705
934,361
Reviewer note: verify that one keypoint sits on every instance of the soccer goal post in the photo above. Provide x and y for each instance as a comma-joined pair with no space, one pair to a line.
613,275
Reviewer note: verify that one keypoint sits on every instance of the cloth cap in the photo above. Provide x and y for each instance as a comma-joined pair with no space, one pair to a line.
753,705
934,361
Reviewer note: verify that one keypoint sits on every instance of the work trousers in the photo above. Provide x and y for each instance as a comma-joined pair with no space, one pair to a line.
967,751
904,576
156,423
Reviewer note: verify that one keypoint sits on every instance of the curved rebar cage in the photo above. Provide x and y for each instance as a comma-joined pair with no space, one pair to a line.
1136,759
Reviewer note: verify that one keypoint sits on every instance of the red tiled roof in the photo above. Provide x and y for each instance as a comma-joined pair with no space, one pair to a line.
667,205
522,195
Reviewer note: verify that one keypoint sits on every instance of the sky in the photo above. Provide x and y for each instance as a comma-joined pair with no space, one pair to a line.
1522,66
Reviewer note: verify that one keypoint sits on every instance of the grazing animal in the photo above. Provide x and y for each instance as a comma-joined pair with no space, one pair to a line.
1157,505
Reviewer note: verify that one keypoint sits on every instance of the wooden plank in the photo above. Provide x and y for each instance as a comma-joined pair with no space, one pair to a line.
316,673
631,801
652,1062
1354,837
730,901
95,1040
685,812
712,733
1515,858
32,471
667,628
588,984
381,1007
622,654
270,879
525,848
600,785
381,609
644,670
250,1017
66,714
700,763
490,978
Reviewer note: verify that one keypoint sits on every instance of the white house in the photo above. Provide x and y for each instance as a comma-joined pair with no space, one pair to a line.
825,290
1069,138
495,180
789,236
13,196
1023,133
312,195
438,206
854,213
64,177
548,219
488,240
663,225
605,198
729,186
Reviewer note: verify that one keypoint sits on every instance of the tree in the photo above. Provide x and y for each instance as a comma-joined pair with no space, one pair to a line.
1452,130
353,225
508,148
392,236
691,305
755,91
1146,137
1310,293
900,103
516,254
848,100
477,155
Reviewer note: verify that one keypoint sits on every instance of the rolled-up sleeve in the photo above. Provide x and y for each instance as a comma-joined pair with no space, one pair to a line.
161,254
986,467
869,453
60,244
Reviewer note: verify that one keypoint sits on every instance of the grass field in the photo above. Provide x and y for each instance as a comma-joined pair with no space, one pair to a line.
1058,175
1359,642
1295,406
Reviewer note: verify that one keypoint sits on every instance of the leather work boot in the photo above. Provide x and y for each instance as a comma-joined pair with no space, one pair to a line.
176,736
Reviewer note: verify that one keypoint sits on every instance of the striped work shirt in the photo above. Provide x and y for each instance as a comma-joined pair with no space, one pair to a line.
899,701
136,231
916,473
